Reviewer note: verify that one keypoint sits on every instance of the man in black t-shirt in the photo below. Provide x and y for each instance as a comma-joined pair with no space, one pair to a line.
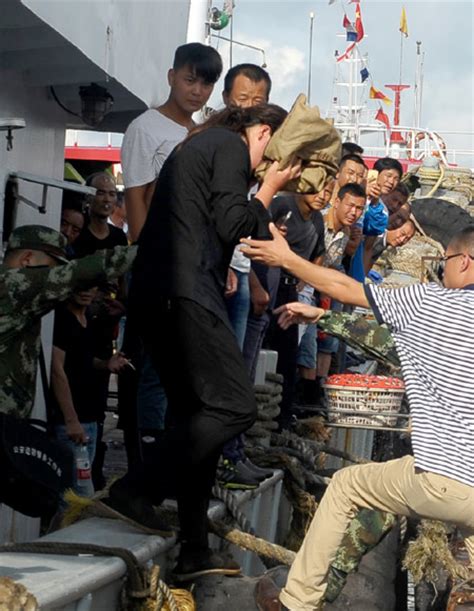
305,234
76,408
98,233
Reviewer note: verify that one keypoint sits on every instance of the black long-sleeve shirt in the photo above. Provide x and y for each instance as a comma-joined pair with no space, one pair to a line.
198,214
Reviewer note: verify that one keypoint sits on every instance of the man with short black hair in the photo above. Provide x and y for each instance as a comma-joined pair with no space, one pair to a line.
351,148
152,136
388,173
396,198
306,235
72,224
437,482
99,234
401,216
347,209
352,169
147,143
396,238
246,85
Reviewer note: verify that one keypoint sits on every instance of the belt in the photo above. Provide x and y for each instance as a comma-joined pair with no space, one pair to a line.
289,280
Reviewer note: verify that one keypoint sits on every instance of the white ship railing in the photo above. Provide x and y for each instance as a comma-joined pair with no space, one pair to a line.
418,143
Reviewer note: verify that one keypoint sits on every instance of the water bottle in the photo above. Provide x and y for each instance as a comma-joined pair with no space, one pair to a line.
84,486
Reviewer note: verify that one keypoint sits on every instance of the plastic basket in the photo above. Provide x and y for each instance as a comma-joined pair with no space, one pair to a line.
344,401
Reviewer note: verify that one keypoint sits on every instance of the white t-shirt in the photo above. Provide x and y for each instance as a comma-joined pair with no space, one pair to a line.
148,141
240,262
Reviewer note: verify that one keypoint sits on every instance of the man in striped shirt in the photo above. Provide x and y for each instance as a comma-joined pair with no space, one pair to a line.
434,334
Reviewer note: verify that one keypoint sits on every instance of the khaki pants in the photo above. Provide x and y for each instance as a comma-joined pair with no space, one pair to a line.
392,486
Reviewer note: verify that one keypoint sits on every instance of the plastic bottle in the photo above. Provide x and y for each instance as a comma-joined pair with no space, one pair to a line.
84,486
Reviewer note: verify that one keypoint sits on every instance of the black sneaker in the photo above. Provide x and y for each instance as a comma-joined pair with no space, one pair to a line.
259,471
244,470
232,478
134,509
194,564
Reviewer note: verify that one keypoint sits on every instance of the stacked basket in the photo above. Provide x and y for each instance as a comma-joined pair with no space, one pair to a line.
363,400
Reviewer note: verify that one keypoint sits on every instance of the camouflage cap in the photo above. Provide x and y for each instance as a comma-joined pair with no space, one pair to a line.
39,237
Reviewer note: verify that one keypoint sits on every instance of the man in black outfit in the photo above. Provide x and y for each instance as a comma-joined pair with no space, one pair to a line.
99,234
305,235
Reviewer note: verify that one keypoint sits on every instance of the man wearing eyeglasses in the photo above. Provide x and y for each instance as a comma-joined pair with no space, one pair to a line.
433,330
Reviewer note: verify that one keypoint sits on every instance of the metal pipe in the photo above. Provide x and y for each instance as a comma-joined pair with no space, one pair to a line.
243,44
198,21
311,22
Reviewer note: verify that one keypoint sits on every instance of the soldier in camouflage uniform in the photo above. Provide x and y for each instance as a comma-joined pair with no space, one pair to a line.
368,527
34,277
364,334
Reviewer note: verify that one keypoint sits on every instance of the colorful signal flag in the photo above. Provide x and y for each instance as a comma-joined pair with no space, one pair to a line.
375,94
364,74
359,26
403,23
382,117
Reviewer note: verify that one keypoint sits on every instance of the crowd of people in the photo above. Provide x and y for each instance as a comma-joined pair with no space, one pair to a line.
199,306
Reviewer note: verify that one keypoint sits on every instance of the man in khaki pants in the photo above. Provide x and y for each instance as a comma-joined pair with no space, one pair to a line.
434,334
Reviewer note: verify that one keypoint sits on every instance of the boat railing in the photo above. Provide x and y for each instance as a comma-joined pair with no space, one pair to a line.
409,142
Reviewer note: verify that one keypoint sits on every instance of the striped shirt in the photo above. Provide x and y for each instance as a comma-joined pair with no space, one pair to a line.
433,329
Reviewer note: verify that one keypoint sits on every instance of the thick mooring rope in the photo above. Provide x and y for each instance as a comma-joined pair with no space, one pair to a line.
138,592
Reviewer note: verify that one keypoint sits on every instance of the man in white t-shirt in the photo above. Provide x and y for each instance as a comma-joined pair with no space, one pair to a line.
148,141
152,136
245,85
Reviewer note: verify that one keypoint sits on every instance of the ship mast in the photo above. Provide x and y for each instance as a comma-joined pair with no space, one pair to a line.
420,59
198,22
349,102
397,141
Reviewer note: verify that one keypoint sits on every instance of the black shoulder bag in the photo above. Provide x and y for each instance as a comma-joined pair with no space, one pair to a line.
35,469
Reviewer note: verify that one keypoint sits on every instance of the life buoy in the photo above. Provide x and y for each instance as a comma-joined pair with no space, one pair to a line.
219,19
419,136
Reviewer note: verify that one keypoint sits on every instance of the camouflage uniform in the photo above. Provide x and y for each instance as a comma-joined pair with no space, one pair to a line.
29,293
363,533
363,334
369,526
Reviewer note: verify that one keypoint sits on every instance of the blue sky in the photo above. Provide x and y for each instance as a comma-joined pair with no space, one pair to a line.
444,28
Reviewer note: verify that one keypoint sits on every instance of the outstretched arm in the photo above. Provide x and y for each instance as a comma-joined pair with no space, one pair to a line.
36,291
277,253
298,313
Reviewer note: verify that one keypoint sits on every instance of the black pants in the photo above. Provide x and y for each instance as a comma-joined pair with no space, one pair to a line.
285,342
210,400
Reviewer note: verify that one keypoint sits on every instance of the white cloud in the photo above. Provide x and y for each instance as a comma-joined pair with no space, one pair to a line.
285,64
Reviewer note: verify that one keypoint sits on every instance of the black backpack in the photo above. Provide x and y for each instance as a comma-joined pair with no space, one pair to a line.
35,469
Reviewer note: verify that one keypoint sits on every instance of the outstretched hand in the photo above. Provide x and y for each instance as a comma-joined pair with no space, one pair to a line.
271,252
298,313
